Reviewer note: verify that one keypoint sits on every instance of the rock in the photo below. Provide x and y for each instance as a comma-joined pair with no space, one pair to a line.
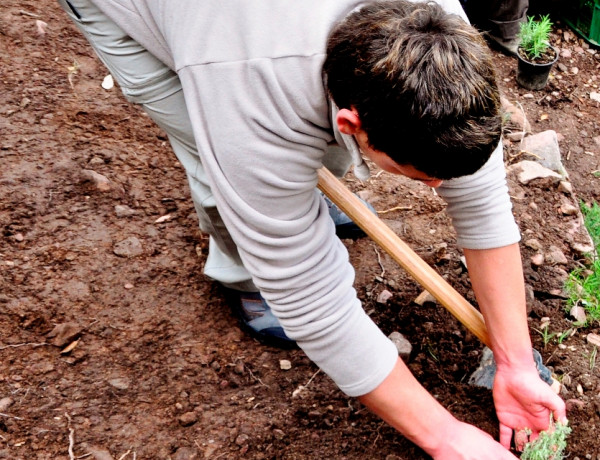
384,296
534,244
574,404
186,453
593,339
545,146
527,170
188,419
568,209
597,140
565,53
403,346
563,68
423,298
122,210
594,96
485,373
120,383
517,116
278,434
285,365
565,187
582,249
64,333
130,247
99,453
578,313
100,182
556,256
5,403
537,260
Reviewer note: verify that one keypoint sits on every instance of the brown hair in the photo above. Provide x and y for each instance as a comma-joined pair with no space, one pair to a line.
422,82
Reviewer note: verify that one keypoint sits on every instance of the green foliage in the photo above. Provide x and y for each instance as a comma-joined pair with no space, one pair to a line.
583,284
550,445
535,36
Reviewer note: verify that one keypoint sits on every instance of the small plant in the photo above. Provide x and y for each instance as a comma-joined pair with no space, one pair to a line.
535,37
546,335
550,445
583,284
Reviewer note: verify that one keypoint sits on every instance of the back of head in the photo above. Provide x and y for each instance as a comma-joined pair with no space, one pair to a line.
422,82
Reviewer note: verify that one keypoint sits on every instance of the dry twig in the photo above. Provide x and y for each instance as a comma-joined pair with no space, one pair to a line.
379,260
17,345
71,437
396,208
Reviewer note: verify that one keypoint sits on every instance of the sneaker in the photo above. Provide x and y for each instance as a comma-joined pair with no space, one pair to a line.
256,317
344,226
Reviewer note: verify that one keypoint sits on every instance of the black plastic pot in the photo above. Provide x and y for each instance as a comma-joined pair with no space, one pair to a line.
534,76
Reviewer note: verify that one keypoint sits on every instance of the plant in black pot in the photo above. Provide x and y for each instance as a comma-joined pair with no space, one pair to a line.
536,55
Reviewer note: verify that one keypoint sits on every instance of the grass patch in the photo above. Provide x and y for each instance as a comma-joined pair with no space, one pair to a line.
583,284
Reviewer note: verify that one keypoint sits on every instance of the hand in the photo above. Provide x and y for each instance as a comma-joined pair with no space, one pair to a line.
465,442
524,401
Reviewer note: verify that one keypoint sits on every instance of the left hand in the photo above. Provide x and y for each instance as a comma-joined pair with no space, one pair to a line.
524,401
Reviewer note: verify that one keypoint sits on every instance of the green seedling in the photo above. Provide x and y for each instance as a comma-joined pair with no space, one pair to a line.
535,36
583,284
550,445
560,338
546,335
592,358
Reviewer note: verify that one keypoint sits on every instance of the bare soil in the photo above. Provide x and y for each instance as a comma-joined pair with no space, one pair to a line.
159,368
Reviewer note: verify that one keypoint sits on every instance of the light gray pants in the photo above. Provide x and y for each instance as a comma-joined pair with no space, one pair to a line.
147,81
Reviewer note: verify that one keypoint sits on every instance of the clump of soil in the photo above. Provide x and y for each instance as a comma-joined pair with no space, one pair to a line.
145,360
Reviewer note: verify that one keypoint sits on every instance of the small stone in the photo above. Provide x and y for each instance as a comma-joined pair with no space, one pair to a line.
563,68
188,419
565,187
537,260
574,404
579,389
594,96
130,247
578,313
285,364
239,368
568,209
574,70
545,147
556,256
242,439
64,333
593,339
100,182
533,244
403,346
128,286
5,403
565,53
533,206
423,298
122,210
186,453
384,296
119,383
278,434
99,453
19,237
527,171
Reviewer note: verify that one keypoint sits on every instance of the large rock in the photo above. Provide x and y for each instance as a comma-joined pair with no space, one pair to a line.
527,170
544,146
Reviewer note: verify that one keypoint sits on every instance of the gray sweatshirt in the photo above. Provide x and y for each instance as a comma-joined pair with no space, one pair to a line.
251,73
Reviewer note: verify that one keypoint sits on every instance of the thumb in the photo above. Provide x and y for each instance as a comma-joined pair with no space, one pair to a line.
505,435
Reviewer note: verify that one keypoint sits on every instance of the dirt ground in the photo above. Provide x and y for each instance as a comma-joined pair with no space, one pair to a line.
160,369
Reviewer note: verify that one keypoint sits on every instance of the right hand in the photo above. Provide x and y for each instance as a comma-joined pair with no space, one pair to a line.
462,441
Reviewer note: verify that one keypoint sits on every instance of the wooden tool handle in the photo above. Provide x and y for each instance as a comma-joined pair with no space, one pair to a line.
403,254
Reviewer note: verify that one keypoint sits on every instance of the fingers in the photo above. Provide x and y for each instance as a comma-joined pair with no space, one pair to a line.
505,435
521,438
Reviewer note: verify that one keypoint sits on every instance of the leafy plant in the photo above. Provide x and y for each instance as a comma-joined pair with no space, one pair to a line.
583,284
535,36
550,445
546,335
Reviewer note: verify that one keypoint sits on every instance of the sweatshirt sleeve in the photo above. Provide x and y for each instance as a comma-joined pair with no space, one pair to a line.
480,206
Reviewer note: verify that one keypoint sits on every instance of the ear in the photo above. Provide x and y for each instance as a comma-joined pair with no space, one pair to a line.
348,121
